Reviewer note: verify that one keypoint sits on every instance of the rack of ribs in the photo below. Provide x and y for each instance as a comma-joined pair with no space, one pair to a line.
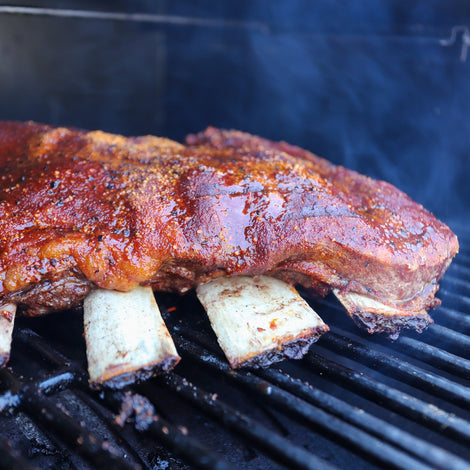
82,213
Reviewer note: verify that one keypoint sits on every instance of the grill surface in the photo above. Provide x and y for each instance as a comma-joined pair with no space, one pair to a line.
355,400
381,90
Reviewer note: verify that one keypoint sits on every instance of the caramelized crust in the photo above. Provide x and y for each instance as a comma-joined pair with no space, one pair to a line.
117,212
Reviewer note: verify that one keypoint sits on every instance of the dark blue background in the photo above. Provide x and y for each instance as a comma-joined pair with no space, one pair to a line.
366,84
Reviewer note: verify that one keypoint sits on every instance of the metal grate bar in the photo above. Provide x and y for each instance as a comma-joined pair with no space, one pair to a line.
435,356
455,281
429,453
12,459
463,319
188,448
464,257
84,442
367,444
32,341
87,444
169,434
175,438
50,383
276,446
407,372
456,340
109,419
462,270
389,397
462,298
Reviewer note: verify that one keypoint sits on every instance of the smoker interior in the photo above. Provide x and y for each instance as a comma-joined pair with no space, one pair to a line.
355,401
381,88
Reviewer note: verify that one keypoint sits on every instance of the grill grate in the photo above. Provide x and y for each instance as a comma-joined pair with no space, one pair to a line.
354,400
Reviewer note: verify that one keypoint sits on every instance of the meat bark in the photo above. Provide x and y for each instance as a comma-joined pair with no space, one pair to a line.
80,210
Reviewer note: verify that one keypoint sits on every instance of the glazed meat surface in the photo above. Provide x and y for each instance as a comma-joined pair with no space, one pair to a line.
80,210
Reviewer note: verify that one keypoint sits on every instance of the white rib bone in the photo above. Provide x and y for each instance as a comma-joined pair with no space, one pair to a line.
259,320
356,302
7,320
378,317
126,338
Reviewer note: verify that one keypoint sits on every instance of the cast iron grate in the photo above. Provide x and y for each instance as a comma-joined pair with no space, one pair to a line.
354,401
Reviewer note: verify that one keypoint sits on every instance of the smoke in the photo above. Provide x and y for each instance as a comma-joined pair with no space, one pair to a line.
365,84
389,104
368,84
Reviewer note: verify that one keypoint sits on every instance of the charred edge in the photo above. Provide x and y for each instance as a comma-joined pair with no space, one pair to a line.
53,293
391,325
134,376
294,349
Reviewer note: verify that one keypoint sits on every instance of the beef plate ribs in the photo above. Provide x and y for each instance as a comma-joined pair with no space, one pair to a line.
84,210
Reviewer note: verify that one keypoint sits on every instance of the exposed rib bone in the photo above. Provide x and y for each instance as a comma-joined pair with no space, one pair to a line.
377,317
126,338
259,320
7,320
